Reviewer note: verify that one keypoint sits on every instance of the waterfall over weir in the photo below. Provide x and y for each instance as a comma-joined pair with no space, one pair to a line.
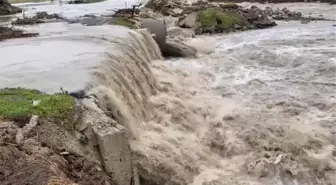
183,133
124,82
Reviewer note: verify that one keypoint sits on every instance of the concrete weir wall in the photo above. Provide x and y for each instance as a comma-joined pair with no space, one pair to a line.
111,141
116,154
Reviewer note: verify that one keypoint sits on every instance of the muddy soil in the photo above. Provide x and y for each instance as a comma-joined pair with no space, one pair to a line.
38,161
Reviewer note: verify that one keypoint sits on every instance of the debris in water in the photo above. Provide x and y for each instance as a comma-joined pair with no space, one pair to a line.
278,159
64,153
9,33
40,17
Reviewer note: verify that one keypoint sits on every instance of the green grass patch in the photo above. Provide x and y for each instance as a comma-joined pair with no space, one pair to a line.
221,20
123,21
17,104
208,17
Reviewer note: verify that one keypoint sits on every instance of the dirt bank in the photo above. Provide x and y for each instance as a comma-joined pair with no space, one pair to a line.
42,142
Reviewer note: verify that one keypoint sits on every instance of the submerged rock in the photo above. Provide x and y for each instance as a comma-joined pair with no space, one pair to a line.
176,48
189,21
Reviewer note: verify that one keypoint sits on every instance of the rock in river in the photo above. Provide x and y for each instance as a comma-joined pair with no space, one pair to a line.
176,48
215,20
189,21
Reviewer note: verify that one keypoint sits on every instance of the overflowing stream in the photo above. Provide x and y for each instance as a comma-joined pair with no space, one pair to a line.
259,109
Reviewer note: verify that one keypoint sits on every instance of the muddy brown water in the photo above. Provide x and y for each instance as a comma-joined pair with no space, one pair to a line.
262,97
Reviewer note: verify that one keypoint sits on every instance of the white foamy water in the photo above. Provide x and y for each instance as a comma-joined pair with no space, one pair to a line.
273,98
260,109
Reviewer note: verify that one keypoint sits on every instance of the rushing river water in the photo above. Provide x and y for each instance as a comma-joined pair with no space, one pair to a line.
277,90
260,109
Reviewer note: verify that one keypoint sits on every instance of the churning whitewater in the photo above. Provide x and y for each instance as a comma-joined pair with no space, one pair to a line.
259,110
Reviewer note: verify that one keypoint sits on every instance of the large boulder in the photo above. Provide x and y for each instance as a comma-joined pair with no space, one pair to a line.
189,21
215,20
175,12
259,18
285,14
264,22
7,9
176,48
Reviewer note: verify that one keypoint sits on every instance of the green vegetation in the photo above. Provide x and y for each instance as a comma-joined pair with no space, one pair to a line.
17,104
123,21
208,17
221,20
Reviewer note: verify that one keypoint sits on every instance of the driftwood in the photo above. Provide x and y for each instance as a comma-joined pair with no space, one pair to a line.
127,12
8,33
40,17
